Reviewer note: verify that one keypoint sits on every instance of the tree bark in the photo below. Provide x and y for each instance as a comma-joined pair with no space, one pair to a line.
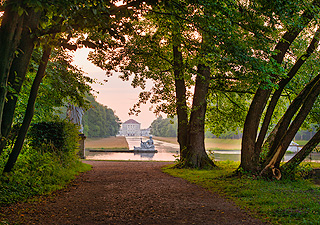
274,161
181,101
10,33
249,153
276,96
29,111
302,154
197,156
18,72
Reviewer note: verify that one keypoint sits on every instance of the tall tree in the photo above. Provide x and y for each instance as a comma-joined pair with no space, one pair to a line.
178,48
24,22
254,146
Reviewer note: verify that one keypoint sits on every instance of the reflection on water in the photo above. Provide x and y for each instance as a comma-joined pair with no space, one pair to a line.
166,152
169,152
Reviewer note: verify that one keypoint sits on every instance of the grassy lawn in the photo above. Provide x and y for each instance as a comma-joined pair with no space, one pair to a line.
107,143
279,202
211,143
172,140
222,144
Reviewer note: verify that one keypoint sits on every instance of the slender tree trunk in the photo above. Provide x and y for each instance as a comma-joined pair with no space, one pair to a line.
250,149
197,156
29,111
276,96
18,72
272,168
280,129
302,154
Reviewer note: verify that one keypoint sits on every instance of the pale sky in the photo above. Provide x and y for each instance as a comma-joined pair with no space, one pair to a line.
116,94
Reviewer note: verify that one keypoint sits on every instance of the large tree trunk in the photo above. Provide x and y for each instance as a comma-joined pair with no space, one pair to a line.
10,33
18,72
197,156
29,111
249,155
181,101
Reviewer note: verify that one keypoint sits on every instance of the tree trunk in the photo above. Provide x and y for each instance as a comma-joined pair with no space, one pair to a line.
280,129
197,156
302,154
10,33
249,153
18,72
274,161
29,111
276,96
181,101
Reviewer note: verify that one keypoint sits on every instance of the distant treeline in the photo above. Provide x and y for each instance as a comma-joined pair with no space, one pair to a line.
168,128
164,127
99,120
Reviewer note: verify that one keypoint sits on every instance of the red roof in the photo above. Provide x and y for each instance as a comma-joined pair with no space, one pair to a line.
131,121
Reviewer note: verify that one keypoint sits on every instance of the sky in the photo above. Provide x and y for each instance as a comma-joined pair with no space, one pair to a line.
116,94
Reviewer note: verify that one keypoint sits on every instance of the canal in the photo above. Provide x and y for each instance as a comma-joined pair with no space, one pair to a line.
170,152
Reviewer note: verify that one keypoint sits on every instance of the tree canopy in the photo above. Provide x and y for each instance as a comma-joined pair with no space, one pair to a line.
230,64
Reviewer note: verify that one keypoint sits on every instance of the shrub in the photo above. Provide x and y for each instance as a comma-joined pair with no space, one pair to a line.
48,161
56,137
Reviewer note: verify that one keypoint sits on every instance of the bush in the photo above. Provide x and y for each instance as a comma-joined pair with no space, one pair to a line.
62,136
37,174
48,161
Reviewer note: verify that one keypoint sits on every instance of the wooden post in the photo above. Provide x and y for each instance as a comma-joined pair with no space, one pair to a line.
81,146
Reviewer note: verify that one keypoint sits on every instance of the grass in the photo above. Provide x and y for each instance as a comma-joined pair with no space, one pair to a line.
278,202
211,143
24,184
222,144
119,143
172,140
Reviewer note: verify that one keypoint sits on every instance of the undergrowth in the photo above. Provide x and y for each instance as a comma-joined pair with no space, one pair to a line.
291,201
37,174
47,162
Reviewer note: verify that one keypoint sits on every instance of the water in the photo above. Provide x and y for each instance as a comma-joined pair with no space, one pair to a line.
169,152
166,152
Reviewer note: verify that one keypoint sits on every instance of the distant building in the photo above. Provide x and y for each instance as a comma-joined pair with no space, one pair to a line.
132,128
145,132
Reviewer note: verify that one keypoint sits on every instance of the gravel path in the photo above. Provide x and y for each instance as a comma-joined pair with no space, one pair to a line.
129,193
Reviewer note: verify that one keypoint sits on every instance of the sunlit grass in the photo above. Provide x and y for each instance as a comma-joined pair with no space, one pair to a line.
279,202
107,143
210,143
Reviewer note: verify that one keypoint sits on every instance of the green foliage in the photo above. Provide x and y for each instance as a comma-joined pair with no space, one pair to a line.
164,127
37,173
278,202
226,112
63,83
99,120
62,136
48,161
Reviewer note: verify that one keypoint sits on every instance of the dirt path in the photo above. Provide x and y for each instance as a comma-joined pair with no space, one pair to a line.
129,193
